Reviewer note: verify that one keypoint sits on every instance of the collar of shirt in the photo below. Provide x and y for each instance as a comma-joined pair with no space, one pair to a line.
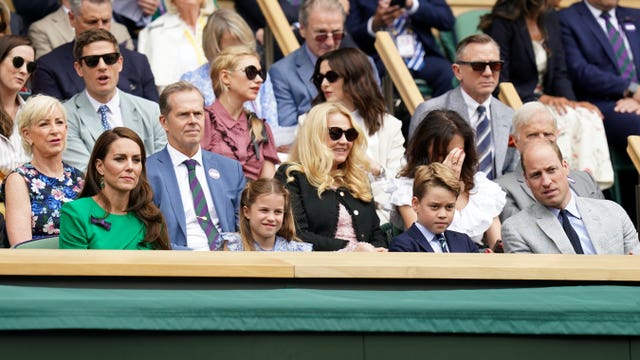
425,232
472,108
114,115
223,117
311,56
178,158
597,12
572,207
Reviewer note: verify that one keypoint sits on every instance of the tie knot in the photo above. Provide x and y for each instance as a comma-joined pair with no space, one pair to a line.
605,15
191,164
103,109
481,110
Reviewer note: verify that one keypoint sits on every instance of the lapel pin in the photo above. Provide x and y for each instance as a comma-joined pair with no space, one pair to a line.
214,174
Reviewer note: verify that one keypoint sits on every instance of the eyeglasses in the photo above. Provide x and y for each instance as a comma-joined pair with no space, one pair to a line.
335,133
93,60
480,66
18,61
322,37
252,71
330,75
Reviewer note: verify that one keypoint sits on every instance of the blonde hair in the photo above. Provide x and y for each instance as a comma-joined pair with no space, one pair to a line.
206,7
228,60
250,194
36,108
434,175
311,155
221,22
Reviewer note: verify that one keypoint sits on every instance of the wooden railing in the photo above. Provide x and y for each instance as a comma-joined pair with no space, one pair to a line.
509,95
278,29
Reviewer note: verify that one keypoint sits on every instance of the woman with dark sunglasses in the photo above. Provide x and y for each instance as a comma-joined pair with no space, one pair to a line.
327,178
232,130
529,35
16,65
346,76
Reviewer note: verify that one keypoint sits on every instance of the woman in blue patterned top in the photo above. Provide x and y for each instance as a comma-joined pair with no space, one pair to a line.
266,221
35,191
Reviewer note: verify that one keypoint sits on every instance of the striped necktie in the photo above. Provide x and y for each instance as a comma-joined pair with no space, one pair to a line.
200,202
625,65
483,143
103,117
443,243
401,26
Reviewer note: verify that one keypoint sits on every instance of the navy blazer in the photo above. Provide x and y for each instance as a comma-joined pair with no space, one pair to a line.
519,59
55,75
412,240
431,14
590,60
226,189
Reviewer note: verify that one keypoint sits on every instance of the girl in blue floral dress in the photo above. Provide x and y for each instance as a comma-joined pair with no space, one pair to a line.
266,221
35,191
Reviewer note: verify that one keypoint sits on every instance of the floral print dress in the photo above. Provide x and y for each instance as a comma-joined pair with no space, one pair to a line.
47,195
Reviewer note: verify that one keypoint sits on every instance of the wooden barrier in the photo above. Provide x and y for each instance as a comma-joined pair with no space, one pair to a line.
398,71
279,26
509,95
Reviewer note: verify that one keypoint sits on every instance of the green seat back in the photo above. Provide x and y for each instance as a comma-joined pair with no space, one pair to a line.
45,243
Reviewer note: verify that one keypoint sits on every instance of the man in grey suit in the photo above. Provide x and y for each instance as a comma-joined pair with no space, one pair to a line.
560,222
477,67
55,29
102,106
533,122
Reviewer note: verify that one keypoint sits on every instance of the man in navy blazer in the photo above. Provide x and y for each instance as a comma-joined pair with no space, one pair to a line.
592,64
182,116
55,75
368,16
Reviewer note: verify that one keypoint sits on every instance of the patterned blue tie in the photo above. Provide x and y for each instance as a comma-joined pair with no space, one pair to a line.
483,143
623,60
200,202
443,243
103,109
401,27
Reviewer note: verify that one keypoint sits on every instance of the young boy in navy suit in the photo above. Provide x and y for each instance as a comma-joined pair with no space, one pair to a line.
435,191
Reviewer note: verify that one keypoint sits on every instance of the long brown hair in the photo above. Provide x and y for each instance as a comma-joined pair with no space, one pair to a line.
432,137
8,43
140,198
359,84
515,9
251,192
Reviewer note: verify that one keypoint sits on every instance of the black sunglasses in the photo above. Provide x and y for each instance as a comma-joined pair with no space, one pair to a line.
252,71
480,66
18,61
335,133
93,60
337,36
331,77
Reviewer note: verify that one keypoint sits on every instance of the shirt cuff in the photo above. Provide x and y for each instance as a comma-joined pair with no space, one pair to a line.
414,7
370,27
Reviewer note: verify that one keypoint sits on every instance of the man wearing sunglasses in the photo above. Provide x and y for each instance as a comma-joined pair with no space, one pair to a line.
322,27
102,106
477,67
411,23
56,76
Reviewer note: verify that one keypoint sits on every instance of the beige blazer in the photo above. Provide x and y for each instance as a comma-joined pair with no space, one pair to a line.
54,30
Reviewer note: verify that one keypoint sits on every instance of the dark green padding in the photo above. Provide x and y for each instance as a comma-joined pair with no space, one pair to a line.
578,310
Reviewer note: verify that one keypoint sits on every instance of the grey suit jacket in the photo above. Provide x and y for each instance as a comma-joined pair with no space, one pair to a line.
138,114
54,30
536,230
519,195
506,158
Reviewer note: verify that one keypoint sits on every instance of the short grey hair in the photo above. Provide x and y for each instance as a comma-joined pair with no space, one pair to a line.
326,5
76,5
36,108
527,112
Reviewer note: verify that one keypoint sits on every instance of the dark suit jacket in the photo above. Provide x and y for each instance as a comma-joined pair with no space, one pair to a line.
317,219
520,65
56,76
590,60
225,191
412,240
431,14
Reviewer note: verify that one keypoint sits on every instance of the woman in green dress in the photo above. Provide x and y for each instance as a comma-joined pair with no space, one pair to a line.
115,209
